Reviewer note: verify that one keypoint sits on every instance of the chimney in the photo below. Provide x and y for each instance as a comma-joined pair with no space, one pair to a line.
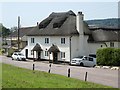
79,23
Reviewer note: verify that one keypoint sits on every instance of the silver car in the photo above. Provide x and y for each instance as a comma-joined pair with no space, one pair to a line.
84,61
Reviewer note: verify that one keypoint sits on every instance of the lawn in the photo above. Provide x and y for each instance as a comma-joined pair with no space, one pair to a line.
15,77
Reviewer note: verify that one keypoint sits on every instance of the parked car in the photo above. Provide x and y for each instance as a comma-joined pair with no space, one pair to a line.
84,61
18,56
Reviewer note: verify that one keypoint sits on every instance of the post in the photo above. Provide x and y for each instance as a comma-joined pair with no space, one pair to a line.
33,56
49,68
33,67
70,47
86,76
69,72
18,33
49,57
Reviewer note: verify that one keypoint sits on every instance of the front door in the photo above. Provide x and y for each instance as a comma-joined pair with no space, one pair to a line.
39,55
55,57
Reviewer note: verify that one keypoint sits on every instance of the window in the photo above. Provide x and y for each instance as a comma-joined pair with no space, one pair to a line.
46,40
111,44
90,59
55,25
62,40
46,53
31,52
62,54
32,40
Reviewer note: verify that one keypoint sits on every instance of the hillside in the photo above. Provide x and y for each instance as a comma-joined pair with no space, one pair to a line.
112,22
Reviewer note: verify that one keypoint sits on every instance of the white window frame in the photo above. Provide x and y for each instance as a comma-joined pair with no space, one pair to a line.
62,54
111,44
32,40
47,40
46,53
62,40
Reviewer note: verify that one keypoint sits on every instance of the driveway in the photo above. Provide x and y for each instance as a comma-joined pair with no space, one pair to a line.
101,76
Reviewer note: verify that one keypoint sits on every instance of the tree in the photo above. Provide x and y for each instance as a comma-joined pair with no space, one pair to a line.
13,29
5,32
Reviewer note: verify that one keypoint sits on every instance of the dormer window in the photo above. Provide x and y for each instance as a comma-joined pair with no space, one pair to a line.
55,25
32,40
59,21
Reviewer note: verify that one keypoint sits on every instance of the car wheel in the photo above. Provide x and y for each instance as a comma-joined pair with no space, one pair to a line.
81,64
12,59
18,59
94,65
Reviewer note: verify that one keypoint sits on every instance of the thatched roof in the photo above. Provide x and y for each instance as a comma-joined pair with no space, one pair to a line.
101,34
53,48
57,24
23,31
37,47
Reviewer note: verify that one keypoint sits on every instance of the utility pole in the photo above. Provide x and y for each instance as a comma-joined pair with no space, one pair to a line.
18,33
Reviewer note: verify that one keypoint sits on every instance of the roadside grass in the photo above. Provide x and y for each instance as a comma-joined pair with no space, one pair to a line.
15,77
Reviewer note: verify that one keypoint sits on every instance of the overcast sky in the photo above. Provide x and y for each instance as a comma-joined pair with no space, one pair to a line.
33,12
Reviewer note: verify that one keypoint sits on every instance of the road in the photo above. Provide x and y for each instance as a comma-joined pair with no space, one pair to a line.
101,76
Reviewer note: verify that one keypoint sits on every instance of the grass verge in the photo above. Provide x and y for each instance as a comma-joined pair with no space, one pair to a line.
15,77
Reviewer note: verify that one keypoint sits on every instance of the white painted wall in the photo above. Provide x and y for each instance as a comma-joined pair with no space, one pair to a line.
74,46
94,46
53,40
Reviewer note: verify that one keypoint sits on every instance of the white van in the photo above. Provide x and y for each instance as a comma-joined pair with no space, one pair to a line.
84,61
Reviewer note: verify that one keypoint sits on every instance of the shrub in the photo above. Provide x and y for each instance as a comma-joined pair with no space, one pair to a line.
10,52
2,51
108,56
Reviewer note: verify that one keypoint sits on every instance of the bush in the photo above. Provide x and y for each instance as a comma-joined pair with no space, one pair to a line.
10,52
2,51
108,56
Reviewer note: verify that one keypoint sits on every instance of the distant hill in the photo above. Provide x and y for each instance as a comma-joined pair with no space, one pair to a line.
112,22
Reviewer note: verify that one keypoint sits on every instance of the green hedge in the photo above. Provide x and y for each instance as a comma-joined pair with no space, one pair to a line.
108,56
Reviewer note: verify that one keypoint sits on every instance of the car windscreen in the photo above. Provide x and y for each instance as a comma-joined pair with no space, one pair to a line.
80,57
20,54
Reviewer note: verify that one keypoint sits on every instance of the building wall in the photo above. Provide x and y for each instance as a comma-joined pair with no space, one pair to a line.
74,46
94,46
116,44
52,40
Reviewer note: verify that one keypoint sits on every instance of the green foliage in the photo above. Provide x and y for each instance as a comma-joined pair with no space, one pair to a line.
116,55
10,52
2,51
108,56
4,32
15,77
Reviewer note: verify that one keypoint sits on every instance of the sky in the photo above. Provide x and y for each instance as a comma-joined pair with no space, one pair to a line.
32,12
